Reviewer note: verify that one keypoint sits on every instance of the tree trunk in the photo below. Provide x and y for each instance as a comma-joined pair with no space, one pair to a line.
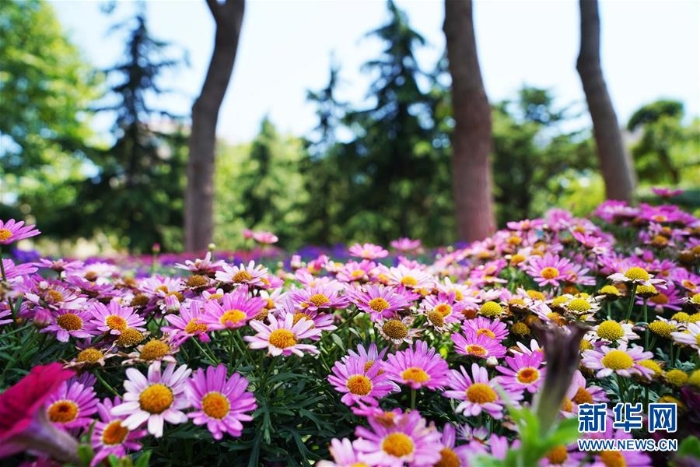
471,138
615,161
199,195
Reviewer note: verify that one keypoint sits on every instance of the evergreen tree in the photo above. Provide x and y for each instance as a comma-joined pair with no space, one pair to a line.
136,193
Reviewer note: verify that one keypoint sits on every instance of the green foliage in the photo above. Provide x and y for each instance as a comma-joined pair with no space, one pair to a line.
137,191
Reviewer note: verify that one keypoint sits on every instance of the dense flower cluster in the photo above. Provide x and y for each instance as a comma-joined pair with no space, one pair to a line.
397,342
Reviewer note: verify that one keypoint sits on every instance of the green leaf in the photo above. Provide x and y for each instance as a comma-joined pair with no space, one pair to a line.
690,447
143,460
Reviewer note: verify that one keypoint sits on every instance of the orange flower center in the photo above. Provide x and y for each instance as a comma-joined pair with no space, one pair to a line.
415,374
116,322
231,317
282,338
359,385
319,300
5,235
378,304
70,322
549,272
156,398
397,445
477,350
242,276
528,375
216,405
114,433
481,393
194,327
63,411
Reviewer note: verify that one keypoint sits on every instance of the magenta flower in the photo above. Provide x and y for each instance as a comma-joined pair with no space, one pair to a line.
251,274
353,271
367,251
189,323
282,337
360,380
665,192
265,238
549,269
23,421
418,367
477,393
493,329
110,437
13,231
524,372
479,346
234,311
405,245
319,297
65,324
344,455
113,318
155,399
72,405
621,360
221,403
409,440
379,301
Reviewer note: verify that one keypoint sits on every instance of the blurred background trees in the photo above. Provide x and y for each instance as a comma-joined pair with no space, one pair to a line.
370,171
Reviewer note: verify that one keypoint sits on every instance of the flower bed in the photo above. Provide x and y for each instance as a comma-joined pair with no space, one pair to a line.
507,351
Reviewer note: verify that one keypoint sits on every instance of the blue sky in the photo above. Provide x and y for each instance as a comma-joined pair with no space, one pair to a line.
650,49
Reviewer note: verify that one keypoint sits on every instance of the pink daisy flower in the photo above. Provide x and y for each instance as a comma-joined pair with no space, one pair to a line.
353,271
155,399
252,275
13,231
549,269
65,324
203,267
444,308
493,329
621,360
72,405
113,318
411,278
344,455
189,323
524,372
319,297
417,367
265,238
379,301
110,437
282,337
480,346
234,311
691,336
321,321
579,393
407,441
360,380
451,454
477,393
405,245
368,251
221,403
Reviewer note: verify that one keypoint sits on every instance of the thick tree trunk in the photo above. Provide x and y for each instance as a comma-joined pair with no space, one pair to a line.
615,161
471,139
199,195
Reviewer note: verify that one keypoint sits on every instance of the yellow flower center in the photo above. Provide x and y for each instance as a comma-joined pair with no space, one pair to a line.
319,300
677,377
242,276
660,299
415,374
231,317
395,329
114,433
520,329
63,411
485,332
282,338
583,396
557,455
476,350
695,299
694,379
54,296
378,304
5,235
549,272
652,365
681,316
299,316
444,309
491,309
617,360
528,375
409,281
535,295
397,445
517,302
156,398
579,305
116,322
194,327
436,318
216,405
613,459
637,274
610,290
567,406
90,355
357,273
556,318
585,345
517,259
662,328
610,330
153,350
646,290
130,337
162,288
139,300
448,458
481,393
70,322
360,385
196,281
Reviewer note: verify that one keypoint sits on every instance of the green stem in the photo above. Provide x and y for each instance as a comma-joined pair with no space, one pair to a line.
646,331
671,356
413,399
633,292
106,384
204,352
